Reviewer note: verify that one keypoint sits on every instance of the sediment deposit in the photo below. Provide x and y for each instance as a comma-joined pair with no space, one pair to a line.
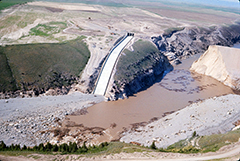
211,116
31,121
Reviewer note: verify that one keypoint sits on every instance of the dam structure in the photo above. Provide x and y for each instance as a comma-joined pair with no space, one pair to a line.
108,66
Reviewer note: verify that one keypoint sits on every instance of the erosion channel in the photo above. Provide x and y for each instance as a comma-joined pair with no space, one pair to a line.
176,90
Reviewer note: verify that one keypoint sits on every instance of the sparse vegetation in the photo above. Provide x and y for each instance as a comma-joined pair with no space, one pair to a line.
136,61
194,134
42,66
186,149
7,82
8,21
203,144
206,144
11,23
48,28
216,141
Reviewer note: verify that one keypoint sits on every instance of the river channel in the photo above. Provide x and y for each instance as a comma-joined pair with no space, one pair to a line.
175,91
237,45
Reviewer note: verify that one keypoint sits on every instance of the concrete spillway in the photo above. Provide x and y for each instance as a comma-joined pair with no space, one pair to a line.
108,66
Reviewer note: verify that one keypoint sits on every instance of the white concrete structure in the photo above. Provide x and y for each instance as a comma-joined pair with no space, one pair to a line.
106,71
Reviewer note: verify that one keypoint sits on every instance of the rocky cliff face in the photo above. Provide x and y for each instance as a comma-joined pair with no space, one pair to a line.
138,69
221,63
181,43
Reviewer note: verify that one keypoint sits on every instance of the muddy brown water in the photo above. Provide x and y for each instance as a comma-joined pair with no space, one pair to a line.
177,89
237,45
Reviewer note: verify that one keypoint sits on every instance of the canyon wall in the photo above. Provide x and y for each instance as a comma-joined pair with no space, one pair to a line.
181,43
137,69
173,45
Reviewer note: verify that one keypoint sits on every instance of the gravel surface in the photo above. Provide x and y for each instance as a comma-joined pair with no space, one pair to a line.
28,120
215,115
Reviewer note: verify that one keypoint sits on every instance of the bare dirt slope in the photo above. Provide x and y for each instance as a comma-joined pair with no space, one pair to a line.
221,63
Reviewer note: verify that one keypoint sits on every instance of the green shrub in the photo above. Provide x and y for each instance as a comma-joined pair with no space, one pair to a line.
194,134
48,147
15,147
153,146
104,144
73,147
55,148
84,148
63,148
2,146
41,147
24,147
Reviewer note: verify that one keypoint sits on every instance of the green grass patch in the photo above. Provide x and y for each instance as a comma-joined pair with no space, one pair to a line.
187,149
7,82
27,19
211,143
35,157
42,66
48,28
133,150
16,153
21,20
8,3
216,141
134,62
9,21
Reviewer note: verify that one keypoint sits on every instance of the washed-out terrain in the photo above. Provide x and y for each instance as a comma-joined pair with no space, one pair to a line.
175,35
